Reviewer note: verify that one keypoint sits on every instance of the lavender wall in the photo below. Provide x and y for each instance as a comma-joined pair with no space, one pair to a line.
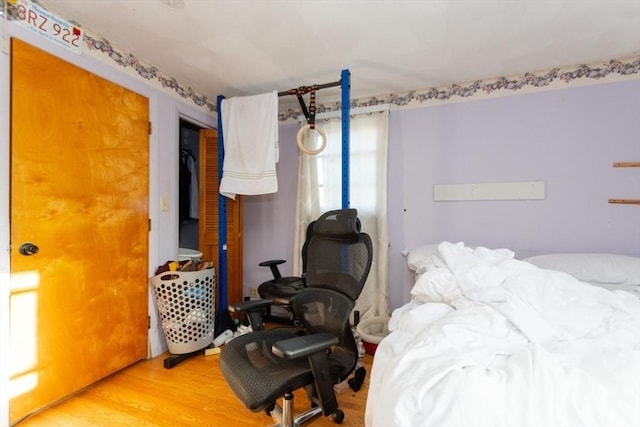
567,138
269,219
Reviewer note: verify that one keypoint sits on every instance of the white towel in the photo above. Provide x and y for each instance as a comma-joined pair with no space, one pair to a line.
250,131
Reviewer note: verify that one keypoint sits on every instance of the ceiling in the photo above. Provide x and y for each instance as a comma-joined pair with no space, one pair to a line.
247,47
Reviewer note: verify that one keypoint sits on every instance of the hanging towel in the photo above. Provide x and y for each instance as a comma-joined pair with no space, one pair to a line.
250,133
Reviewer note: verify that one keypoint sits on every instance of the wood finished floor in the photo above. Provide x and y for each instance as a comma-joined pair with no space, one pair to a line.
193,393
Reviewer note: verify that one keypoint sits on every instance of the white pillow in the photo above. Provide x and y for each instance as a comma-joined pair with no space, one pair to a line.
418,256
592,267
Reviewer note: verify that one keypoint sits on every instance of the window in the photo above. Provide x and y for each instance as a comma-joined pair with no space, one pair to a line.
320,190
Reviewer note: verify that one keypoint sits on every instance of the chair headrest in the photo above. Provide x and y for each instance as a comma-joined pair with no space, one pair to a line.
341,224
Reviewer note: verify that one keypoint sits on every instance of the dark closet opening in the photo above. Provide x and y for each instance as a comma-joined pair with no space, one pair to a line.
188,183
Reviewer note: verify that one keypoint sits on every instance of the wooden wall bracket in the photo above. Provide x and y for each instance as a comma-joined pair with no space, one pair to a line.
626,165
625,201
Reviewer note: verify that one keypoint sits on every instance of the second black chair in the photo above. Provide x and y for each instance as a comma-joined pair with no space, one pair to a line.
281,290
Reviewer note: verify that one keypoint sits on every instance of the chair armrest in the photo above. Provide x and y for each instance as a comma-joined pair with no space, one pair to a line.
314,347
249,306
272,262
304,345
255,310
273,266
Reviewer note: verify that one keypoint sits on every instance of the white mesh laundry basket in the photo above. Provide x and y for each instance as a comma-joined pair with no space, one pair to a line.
186,302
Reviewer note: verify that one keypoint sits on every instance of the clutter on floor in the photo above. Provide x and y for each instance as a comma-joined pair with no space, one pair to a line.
184,265
358,378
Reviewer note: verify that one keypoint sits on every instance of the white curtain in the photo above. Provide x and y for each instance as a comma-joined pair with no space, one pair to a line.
320,190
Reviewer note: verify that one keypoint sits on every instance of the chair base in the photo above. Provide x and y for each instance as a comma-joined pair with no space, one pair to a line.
284,416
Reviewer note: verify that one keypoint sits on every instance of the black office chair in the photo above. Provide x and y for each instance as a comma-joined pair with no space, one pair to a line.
282,290
263,365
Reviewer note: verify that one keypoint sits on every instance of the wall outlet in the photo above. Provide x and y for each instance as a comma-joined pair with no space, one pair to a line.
253,293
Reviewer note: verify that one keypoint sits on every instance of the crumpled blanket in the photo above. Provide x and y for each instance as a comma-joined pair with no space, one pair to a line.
488,340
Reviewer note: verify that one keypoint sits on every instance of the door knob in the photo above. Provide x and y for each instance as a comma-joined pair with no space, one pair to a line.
28,249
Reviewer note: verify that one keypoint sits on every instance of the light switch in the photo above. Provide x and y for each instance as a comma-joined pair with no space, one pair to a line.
164,203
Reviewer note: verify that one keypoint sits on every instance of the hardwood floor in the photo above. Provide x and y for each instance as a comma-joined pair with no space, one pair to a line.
193,393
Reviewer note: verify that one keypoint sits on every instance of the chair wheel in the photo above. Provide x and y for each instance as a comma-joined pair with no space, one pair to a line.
338,416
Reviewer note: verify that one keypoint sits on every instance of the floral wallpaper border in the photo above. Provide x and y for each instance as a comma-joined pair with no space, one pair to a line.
128,60
615,67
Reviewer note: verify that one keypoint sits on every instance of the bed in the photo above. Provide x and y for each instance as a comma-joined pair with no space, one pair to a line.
490,340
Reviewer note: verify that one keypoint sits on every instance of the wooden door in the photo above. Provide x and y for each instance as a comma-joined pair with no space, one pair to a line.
209,218
79,192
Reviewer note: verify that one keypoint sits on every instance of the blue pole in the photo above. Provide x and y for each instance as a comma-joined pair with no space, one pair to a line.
345,85
222,219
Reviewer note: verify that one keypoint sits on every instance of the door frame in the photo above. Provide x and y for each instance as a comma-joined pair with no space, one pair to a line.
5,183
164,247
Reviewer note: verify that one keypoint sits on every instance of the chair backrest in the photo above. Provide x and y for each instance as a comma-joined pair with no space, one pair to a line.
338,262
339,255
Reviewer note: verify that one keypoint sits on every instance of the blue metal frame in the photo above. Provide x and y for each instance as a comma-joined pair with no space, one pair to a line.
222,219
345,85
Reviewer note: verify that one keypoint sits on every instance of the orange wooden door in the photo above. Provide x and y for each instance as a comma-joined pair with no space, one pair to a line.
79,191
209,218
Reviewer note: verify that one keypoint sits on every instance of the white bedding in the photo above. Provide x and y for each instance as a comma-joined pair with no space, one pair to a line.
488,340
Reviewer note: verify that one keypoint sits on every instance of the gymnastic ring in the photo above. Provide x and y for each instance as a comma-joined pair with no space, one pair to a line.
305,149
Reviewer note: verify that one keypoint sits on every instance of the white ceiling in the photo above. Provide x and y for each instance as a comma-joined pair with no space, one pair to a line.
247,47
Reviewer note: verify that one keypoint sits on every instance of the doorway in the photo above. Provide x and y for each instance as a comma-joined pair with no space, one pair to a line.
189,199
199,228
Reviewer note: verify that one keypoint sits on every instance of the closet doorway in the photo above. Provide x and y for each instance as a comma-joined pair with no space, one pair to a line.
199,217
189,198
